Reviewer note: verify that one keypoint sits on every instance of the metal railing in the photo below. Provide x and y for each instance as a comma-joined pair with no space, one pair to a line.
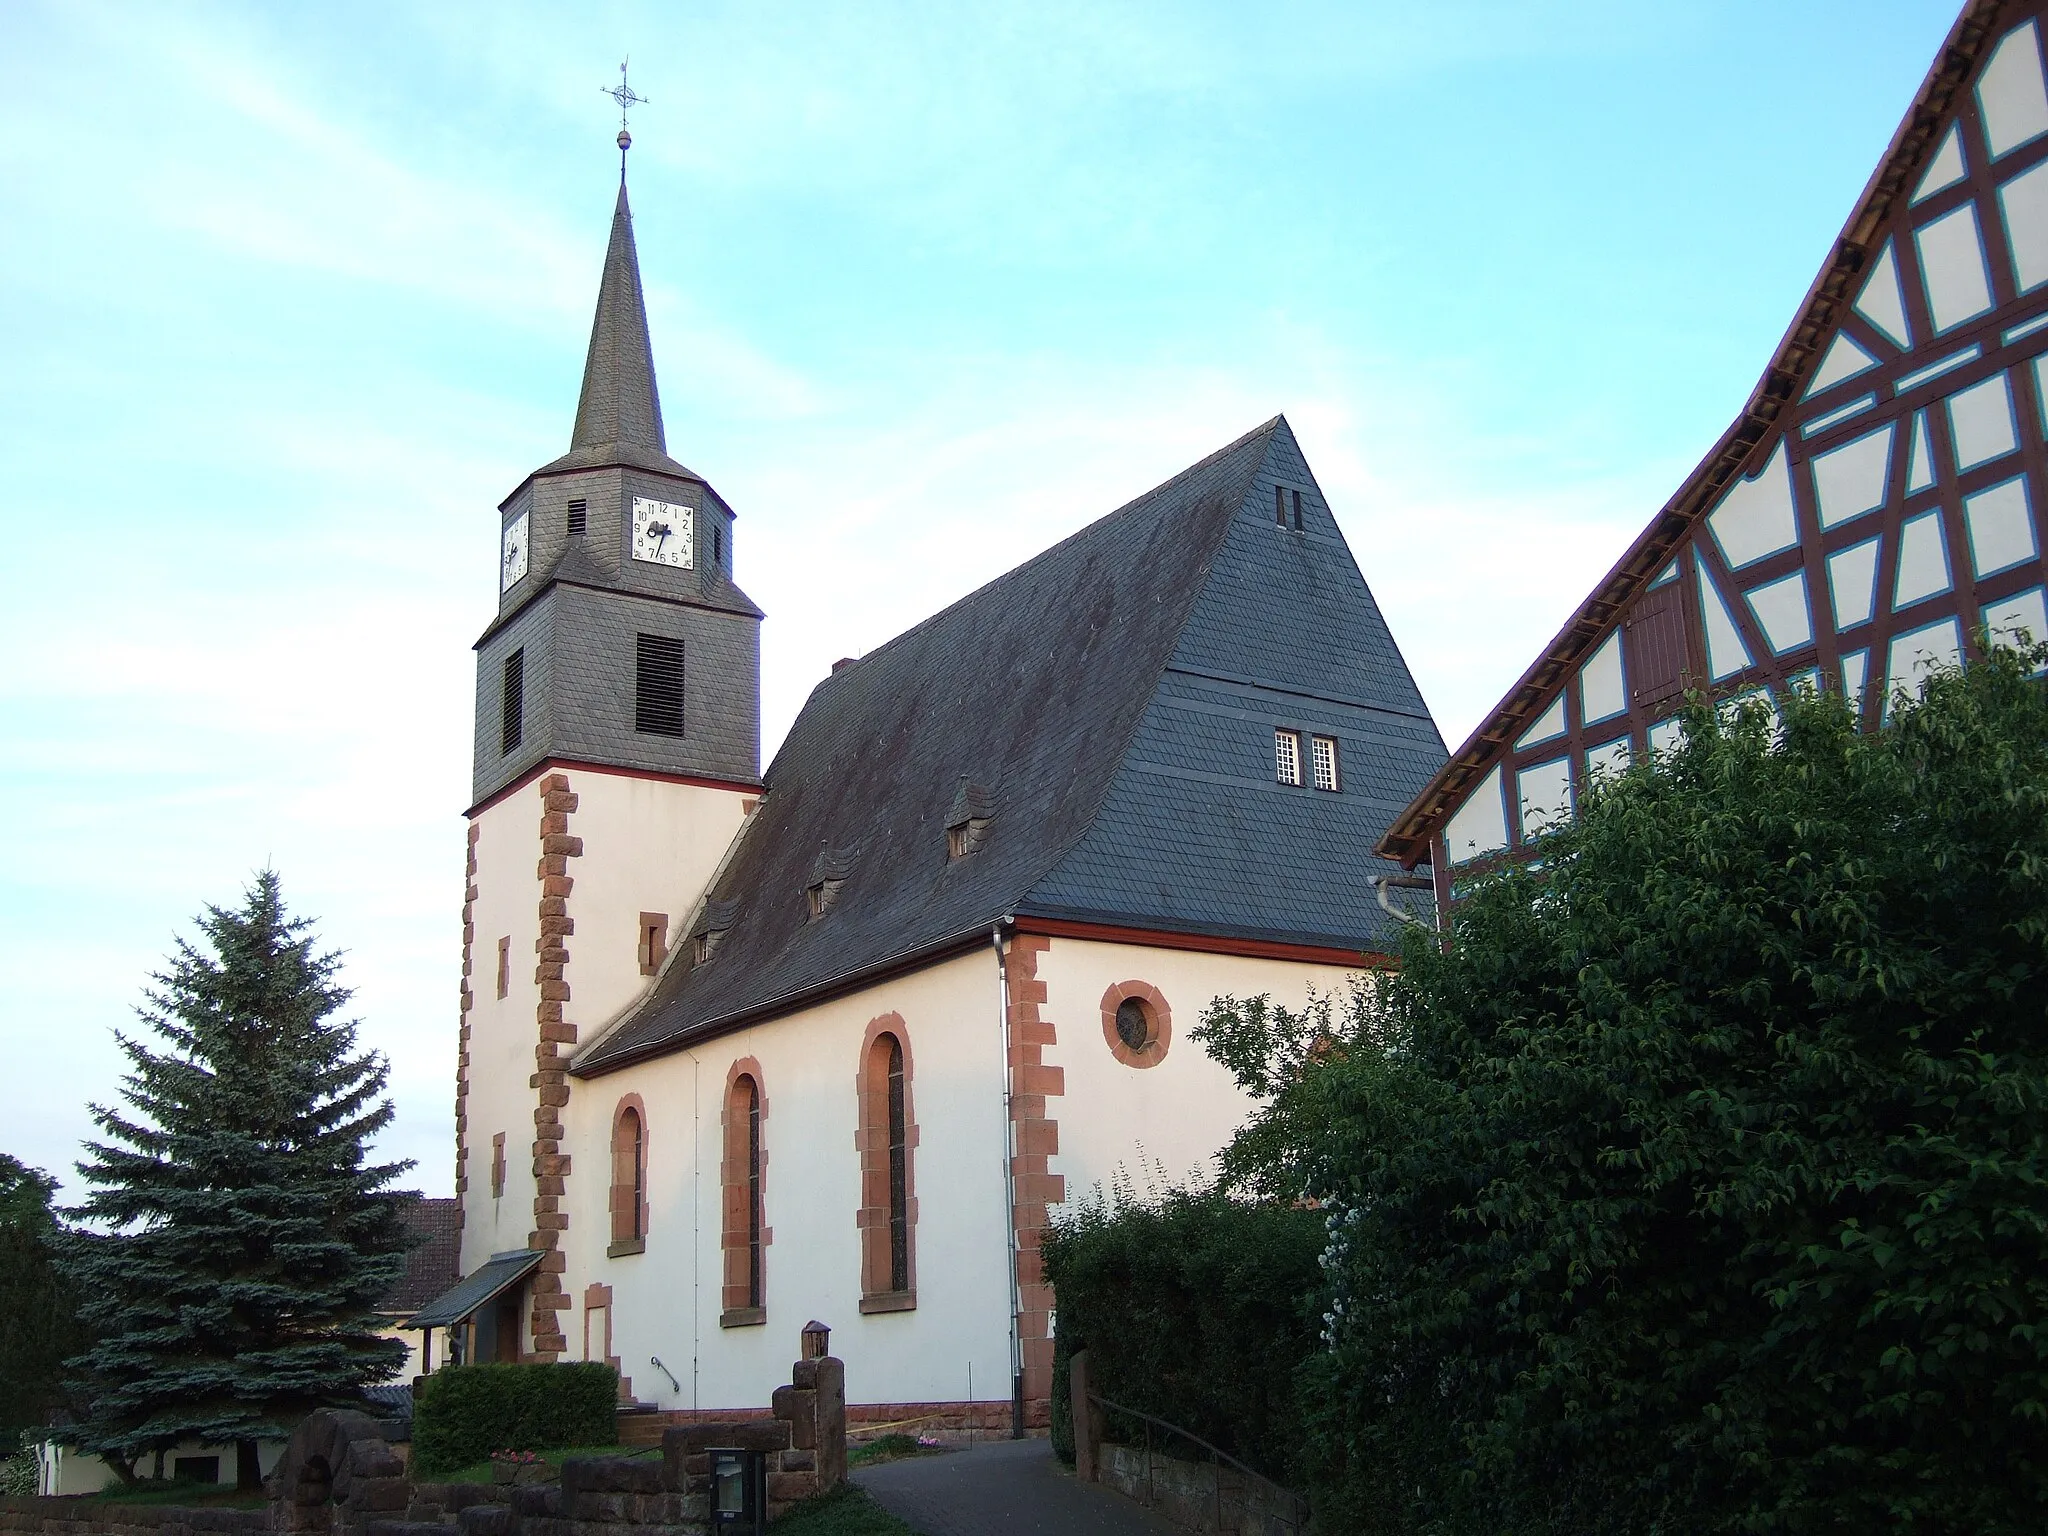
1288,1508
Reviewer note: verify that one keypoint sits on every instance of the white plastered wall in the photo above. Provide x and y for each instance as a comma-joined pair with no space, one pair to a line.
502,1032
648,846
1178,1114
666,1300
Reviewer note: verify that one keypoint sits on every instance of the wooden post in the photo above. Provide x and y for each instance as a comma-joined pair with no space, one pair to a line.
1083,1416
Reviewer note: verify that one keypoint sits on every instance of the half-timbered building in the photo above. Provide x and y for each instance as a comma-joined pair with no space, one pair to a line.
1875,509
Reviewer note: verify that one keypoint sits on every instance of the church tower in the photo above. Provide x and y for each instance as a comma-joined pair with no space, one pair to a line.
620,637
617,754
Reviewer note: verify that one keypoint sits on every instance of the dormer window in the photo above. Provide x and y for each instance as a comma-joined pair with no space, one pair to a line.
710,930
828,875
967,820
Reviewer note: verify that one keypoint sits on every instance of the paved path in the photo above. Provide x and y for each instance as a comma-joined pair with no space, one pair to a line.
1008,1488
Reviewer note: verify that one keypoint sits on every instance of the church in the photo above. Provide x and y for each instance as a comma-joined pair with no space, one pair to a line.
837,1039
1874,510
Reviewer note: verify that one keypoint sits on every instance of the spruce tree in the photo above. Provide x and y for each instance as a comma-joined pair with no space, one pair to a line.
243,1238
38,1316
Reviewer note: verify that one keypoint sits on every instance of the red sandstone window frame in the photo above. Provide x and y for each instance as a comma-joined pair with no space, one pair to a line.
653,941
505,966
1157,1014
498,1166
629,1177
887,1143
743,1181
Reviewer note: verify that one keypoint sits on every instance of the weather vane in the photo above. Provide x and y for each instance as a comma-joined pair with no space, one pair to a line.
627,98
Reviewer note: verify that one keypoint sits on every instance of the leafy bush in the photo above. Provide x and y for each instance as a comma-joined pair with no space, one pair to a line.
1701,1183
1194,1307
465,1412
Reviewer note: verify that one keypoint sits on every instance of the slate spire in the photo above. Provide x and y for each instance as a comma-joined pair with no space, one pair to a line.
619,403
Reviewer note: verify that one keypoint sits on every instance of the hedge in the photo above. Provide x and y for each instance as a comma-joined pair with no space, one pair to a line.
1194,1307
465,1412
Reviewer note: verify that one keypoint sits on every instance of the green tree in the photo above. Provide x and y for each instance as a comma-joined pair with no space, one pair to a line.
38,1322
243,1239
1700,1183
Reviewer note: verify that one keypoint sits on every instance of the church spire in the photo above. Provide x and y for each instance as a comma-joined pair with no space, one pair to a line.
619,403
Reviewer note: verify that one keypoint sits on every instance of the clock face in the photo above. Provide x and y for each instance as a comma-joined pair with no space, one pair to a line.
512,554
664,534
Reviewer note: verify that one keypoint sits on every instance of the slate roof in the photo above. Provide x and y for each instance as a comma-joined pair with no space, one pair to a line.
1111,705
436,1263
488,1280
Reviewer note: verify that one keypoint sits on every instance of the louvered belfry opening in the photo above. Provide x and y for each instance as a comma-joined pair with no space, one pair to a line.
512,703
579,518
658,686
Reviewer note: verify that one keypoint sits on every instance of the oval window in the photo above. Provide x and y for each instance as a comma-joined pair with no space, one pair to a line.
1132,1025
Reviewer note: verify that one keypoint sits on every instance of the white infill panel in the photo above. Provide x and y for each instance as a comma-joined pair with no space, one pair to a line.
1548,724
1923,561
1726,654
1603,693
1980,422
1855,673
1844,360
1781,612
2018,620
2023,204
1920,464
1852,584
1883,302
1952,268
1667,736
2010,92
1546,795
1755,517
1480,825
2001,526
1850,480
1918,653
1608,760
1946,168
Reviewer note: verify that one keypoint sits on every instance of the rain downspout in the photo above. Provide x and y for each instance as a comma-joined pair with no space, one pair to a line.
1010,1185
1408,882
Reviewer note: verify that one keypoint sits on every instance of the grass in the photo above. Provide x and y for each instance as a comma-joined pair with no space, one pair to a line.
480,1472
891,1447
845,1511
183,1495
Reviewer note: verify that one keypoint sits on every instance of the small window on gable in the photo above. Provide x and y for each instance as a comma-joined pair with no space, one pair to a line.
498,1166
1323,760
653,941
505,967
1296,496
579,518
1280,505
717,546
1287,756
512,704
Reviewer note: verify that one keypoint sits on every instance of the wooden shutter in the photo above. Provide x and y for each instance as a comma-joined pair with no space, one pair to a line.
1659,643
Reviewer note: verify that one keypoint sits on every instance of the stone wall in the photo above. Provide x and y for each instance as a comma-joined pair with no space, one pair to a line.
1188,1494
83,1517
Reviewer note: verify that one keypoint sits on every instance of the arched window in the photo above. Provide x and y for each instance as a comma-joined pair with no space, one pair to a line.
887,1140
629,1177
745,1225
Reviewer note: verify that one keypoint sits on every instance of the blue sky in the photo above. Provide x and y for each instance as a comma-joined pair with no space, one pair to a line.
290,297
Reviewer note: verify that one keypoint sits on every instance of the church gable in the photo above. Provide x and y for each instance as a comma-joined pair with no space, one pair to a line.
1028,690
1200,831
1875,506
